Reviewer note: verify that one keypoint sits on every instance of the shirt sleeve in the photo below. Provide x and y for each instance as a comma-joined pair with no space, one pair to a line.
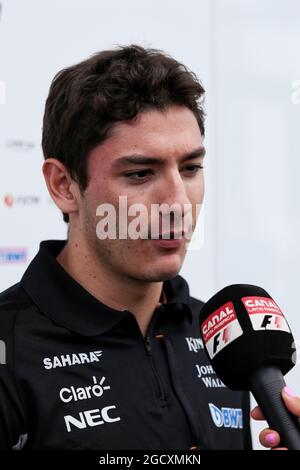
12,422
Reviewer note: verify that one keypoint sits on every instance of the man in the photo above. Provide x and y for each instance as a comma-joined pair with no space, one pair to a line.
102,343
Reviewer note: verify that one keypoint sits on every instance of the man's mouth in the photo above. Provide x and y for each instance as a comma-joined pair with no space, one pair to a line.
169,236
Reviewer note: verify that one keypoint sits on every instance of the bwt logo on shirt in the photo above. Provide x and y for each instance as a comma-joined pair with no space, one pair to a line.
226,417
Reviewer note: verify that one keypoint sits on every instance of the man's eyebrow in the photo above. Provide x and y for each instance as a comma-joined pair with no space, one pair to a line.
149,160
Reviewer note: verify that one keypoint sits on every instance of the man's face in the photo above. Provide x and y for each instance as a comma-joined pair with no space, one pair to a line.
166,137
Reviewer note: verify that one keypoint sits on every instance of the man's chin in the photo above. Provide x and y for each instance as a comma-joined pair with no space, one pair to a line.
167,277
169,268
164,273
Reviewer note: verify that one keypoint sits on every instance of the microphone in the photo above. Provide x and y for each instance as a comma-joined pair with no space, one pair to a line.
251,347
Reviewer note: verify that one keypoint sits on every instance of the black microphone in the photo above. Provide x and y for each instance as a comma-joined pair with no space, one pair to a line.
251,347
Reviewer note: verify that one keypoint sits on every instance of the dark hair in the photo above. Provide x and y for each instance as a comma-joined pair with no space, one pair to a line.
87,99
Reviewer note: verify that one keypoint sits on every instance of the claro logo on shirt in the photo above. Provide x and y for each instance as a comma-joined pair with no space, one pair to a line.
226,417
72,393
88,418
65,360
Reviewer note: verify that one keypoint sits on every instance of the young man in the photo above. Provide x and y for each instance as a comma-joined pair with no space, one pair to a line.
101,337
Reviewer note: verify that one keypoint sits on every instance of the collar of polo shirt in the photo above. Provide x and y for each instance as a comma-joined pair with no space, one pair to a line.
67,303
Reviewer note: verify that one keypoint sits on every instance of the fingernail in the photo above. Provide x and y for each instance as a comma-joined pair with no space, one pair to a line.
289,392
271,439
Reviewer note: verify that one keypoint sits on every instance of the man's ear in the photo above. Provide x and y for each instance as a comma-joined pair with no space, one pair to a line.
62,188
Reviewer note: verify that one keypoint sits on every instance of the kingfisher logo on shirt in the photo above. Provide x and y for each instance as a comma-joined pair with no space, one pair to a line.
226,417
194,344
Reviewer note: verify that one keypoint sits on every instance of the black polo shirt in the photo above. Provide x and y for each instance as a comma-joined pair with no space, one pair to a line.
76,374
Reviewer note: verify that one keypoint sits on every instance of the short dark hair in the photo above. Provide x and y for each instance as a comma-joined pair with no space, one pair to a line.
86,99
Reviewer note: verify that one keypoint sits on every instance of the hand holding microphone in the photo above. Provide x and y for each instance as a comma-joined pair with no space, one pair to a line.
251,347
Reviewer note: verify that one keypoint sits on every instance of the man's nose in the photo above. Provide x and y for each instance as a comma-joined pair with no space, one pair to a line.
175,205
173,190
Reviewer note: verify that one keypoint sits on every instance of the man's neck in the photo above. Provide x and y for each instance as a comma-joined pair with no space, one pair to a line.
118,292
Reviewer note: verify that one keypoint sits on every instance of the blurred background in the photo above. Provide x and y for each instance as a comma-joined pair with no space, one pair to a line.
247,54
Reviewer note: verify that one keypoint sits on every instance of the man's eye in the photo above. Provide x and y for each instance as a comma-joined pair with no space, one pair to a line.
193,168
143,175
138,175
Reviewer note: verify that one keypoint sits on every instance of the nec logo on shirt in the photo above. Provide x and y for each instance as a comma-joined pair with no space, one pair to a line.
65,360
226,417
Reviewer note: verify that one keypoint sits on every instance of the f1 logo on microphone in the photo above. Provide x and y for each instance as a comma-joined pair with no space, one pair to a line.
220,339
272,321
265,314
220,329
